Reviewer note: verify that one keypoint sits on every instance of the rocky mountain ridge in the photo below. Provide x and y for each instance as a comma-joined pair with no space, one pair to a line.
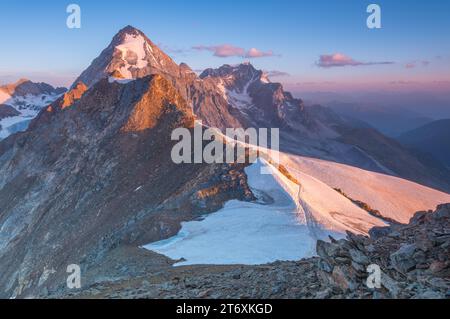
95,175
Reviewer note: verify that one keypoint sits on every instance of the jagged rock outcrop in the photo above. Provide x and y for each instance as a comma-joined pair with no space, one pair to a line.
413,259
7,111
74,94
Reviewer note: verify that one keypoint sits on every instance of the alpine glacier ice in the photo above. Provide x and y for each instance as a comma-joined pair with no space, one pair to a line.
285,228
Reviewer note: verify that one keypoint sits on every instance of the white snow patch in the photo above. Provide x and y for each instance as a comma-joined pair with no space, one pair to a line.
222,89
265,78
240,100
133,46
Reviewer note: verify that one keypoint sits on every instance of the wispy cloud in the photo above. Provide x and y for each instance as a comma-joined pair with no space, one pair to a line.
172,50
229,50
341,60
414,64
275,73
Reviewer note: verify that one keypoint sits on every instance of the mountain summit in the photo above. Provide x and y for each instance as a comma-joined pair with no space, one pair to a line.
130,55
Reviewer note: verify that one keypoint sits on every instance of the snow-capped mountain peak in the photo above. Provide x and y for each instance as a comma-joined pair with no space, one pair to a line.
134,51
249,90
239,74
130,55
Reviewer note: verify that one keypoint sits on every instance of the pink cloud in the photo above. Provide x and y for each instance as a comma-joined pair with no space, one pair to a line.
340,60
228,50
255,53
222,51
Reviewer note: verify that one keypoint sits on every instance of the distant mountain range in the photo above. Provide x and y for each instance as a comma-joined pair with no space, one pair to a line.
432,138
420,103
389,120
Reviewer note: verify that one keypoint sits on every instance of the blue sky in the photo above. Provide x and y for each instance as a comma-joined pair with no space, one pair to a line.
415,36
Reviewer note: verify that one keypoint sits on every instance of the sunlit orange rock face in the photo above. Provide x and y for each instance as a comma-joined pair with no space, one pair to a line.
75,94
11,88
63,102
161,99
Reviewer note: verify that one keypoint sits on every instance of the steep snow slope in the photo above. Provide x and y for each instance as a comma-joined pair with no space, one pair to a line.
285,226
394,197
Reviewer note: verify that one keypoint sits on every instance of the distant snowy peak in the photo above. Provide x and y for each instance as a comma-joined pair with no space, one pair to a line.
21,101
238,77
130,55
24,87
27,95
250,91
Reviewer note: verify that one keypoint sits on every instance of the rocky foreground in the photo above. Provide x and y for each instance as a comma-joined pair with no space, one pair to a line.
413,258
